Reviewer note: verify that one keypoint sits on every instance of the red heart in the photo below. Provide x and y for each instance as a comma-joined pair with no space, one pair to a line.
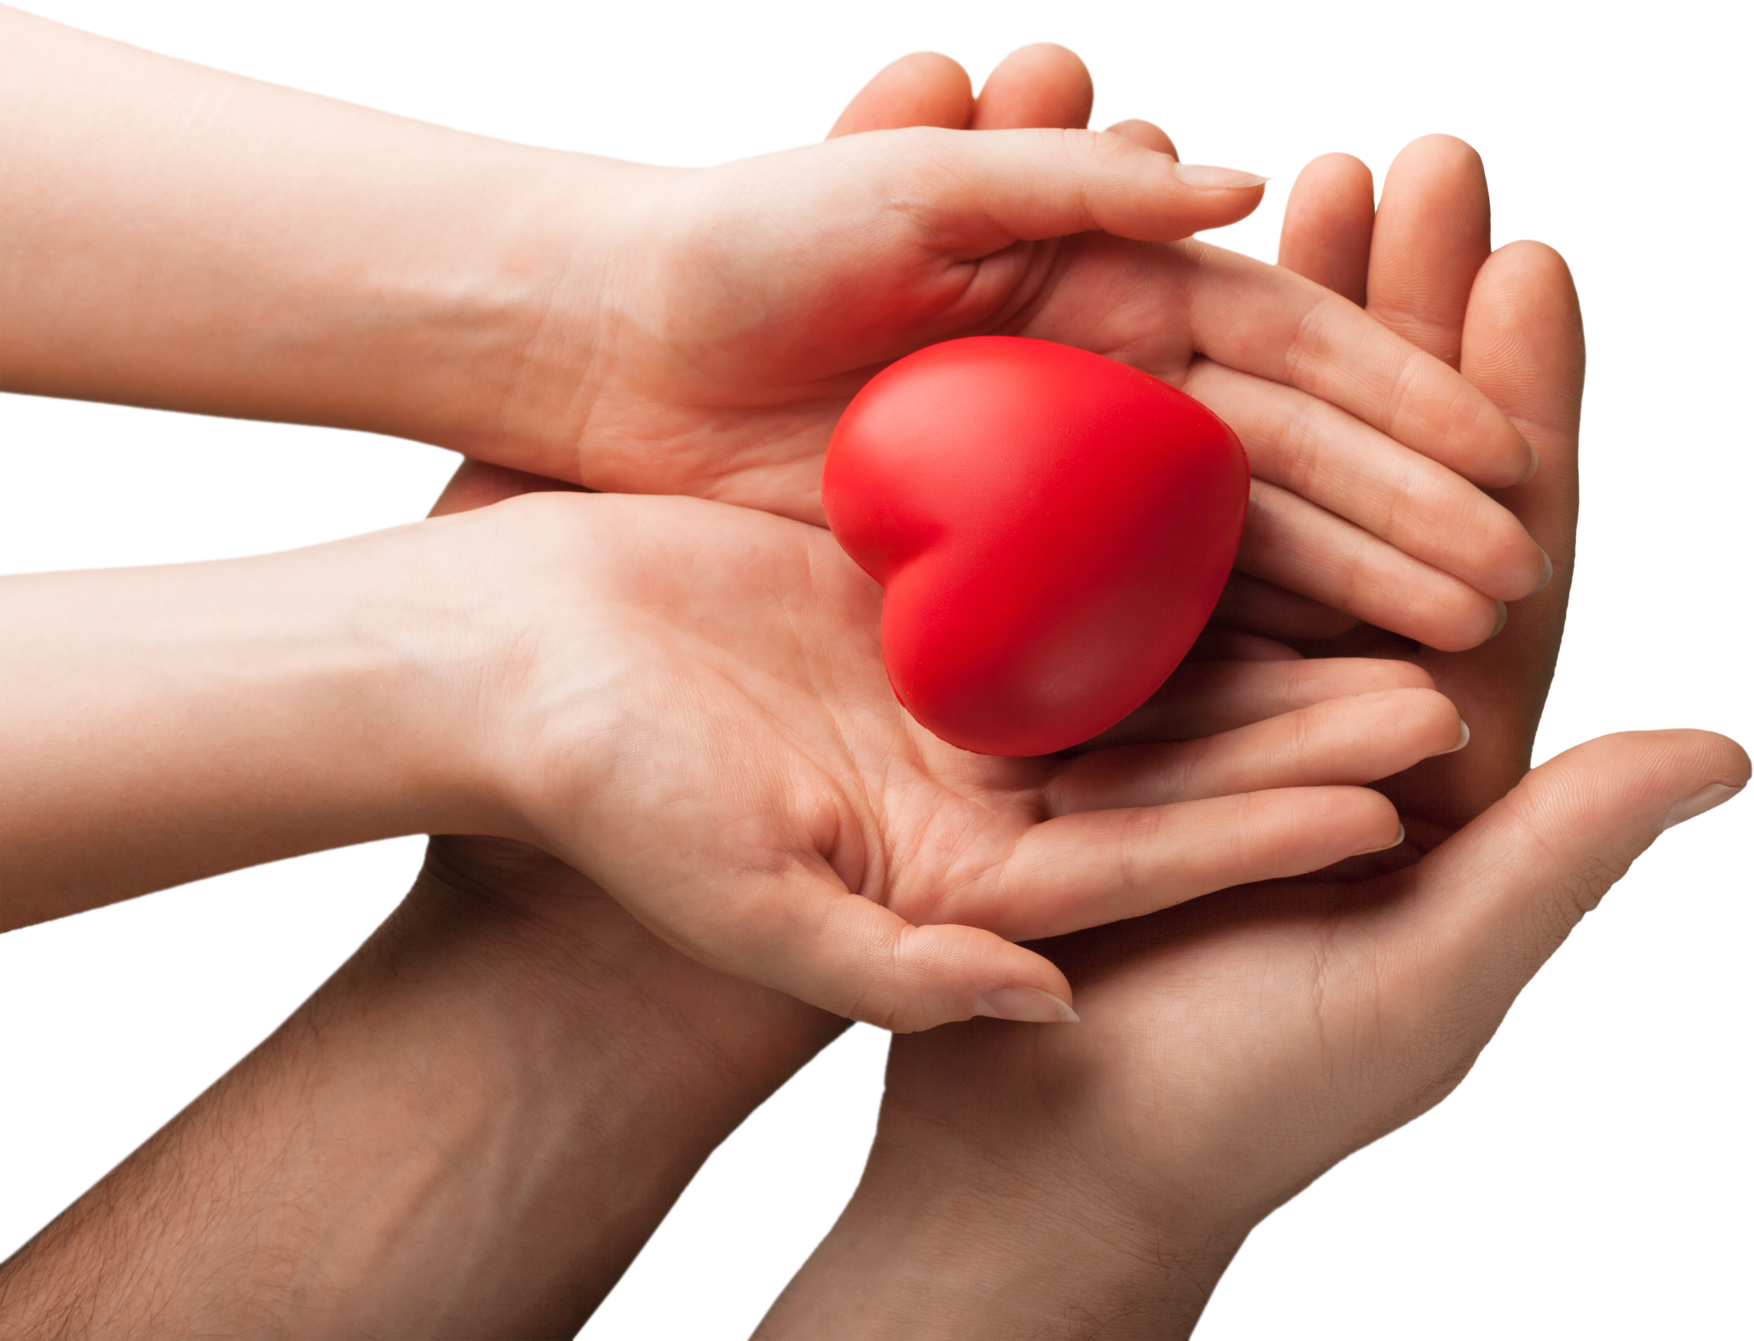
1051,529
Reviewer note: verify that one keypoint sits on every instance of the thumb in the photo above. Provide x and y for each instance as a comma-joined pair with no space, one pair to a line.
979,192
801,931
1494,902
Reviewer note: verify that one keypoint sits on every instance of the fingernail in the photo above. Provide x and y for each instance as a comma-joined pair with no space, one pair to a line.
1400,837
1503,617
1534,464
1546,571
1028,1004
1708,798
1460,743
1206,178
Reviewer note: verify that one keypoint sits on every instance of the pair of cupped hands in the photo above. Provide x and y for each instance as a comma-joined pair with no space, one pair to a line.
693,711
682,699
1231,1047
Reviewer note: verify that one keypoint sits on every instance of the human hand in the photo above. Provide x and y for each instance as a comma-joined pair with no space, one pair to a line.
763,346
679,331
1509,320
1234,1048
698,718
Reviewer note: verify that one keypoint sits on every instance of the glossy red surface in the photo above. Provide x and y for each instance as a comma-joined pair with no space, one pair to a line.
1051,528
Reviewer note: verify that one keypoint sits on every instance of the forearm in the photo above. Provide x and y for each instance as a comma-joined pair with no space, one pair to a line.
178,237
469,1131
166,724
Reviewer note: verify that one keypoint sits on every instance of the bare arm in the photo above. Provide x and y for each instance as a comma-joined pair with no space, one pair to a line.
469,1131
178,237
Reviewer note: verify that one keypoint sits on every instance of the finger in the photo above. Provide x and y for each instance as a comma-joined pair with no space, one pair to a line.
921,89
1098,866
1289,541
1216,644
1354,471
1326,236
1433,233
1523,345
800,931
1038,85
1273,612
1356,739
1274,324
478,484
1488,907
986,191
1204,698
1153,137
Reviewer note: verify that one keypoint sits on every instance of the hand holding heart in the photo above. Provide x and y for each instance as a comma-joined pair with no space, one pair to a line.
717,674
729,332
824,787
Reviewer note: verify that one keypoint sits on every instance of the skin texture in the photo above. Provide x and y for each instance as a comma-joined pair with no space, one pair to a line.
666,331
613,1061
469,1131
1096,1182
599,674
294,1199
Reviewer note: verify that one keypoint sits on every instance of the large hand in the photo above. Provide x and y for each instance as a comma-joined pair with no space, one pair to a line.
1234,1048
1509,320
1096,1181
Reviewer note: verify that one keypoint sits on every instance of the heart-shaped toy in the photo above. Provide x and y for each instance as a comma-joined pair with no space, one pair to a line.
1051,529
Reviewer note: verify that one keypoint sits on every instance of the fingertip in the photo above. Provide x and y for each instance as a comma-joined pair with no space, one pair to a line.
1399,838
1029,1005
1152,136
1221,176
1043,84
923,88
902,977
1462,740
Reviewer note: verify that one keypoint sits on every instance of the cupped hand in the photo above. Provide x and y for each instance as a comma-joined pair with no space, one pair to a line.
727,335
694,713
1231,1050
1235,1047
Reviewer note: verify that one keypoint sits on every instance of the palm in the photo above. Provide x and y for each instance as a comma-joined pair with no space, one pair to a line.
731,366
758,637
1291,1013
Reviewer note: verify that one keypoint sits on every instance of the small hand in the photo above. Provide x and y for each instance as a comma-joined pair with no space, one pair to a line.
699,720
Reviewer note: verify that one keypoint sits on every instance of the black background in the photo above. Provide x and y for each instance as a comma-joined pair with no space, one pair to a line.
1570,1185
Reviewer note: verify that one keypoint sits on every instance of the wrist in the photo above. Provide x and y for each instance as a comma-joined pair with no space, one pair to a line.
943,1239
338,266
169,724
